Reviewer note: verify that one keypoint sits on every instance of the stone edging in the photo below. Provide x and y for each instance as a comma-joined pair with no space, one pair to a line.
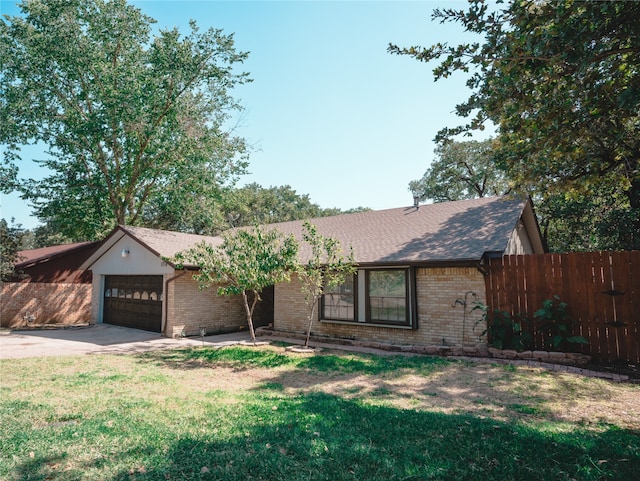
551,361
551,356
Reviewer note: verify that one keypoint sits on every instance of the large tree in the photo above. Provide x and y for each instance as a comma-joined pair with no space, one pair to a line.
600,220
461,170
233,207
129,117
253,203
12,240
561,81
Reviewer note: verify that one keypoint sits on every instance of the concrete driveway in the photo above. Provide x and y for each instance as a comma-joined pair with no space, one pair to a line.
99,339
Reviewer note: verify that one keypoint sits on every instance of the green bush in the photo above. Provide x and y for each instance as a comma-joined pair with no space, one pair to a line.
556,325
504,331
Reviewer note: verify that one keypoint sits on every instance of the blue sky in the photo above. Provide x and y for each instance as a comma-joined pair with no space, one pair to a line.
329,111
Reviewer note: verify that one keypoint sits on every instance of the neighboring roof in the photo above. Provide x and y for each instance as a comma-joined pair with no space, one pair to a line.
33,256
54,264
447,232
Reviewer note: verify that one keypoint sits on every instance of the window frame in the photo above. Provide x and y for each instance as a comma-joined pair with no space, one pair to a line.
407,299
362,316
323,304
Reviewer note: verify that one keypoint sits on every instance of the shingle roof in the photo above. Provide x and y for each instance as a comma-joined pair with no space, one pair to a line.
449,231
166,243
443,232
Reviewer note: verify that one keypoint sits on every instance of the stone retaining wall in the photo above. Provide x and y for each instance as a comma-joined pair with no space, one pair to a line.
544,356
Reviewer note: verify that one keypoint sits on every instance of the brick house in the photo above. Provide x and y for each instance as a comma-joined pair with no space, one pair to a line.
49,289
419,268
133,286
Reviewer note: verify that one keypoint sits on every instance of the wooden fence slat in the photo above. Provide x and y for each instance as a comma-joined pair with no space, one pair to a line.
620,264
547,292
574,295
495,269
610,304
535,285
555,281
509,276
521,288
504,298
596,306
633,329
513,282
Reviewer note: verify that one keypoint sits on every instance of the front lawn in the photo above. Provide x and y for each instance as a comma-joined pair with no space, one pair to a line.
261,413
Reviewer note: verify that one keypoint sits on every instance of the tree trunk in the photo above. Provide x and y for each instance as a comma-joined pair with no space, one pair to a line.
249,311
310,321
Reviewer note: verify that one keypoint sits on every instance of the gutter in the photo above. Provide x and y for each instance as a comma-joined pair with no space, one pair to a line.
484,261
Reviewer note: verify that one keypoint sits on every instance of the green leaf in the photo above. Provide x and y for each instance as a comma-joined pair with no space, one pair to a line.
577,340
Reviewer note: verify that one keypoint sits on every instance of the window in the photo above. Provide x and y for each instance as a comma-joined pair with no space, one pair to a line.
386,295
340,302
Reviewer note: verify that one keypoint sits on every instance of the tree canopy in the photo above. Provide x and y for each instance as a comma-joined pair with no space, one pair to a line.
253,203
11,241
461,170
561,82
131,119
231,207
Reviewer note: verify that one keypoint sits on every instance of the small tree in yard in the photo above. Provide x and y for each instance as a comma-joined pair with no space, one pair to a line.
326,269
245,263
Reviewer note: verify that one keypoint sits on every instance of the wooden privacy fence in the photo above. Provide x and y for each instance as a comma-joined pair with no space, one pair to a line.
601,289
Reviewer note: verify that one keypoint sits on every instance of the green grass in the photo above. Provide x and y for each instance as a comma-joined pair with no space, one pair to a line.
163,416
346,363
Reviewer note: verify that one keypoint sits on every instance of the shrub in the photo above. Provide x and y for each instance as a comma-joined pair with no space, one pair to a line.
503,330
556,325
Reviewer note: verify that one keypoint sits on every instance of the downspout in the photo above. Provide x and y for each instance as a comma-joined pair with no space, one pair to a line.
166,300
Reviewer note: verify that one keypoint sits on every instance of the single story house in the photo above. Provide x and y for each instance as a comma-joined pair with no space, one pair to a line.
49,287
416,266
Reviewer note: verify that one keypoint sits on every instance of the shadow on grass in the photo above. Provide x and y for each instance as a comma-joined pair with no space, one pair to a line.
248,357
457,386
323,437
61,467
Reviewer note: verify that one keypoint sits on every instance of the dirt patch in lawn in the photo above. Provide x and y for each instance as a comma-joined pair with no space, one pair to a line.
489,391
482,389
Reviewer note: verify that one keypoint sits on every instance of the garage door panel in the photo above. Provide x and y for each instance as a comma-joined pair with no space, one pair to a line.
133,301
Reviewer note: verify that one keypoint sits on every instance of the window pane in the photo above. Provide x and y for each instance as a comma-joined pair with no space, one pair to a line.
388,295
339,302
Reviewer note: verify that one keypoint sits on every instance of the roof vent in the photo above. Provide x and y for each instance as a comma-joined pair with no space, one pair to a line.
416,201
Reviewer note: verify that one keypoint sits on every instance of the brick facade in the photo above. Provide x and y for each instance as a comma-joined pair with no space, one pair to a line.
189,309
34,304
438,322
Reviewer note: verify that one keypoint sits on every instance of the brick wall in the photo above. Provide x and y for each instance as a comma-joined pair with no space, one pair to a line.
437,289
34,304
191,309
